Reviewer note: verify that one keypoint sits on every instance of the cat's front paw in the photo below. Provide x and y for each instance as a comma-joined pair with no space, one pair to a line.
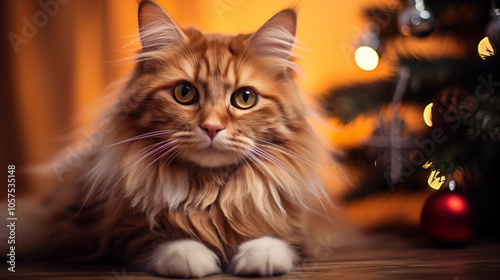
185,259
264,256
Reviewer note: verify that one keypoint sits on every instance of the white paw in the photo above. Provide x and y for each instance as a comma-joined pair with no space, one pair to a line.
264,256
186,259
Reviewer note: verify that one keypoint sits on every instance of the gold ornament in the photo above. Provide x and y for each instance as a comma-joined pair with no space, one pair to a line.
485,49
436,180
428,114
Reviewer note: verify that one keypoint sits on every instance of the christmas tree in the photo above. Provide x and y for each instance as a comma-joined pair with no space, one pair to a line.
458,97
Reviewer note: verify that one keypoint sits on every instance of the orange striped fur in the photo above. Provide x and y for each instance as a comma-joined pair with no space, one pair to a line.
255,180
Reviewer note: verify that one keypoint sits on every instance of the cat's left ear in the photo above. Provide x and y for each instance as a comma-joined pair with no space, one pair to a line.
157,29
277,35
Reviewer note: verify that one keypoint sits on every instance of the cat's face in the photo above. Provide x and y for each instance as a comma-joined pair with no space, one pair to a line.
218,98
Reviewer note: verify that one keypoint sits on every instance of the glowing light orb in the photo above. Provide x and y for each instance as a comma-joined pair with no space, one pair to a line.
366,58
428,114
452,185
425,14
456,204
485,49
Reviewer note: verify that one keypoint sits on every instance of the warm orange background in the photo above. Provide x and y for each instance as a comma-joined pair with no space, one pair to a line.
53,81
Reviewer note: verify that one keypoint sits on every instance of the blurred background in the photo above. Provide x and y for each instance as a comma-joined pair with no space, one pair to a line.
59,57
62,55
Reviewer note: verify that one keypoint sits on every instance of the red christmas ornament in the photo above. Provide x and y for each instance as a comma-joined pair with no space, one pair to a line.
447,217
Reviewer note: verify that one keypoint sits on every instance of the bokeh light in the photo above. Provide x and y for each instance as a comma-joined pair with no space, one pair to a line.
366,58
485,49
428,114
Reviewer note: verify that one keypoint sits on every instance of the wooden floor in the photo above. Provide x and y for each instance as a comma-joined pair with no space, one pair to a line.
373,256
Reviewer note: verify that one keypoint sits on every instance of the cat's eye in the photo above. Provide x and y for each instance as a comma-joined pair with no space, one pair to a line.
185,93
244,98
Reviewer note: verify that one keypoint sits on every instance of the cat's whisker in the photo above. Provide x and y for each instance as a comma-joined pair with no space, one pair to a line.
317,167
239,157
156,175
236,152
168,146
246,162
163,148
239,149
271,158
173,156
281,165
94,185
275,195
321,167
144,153
150,150
317,191
183,155
140,137
258,162
305,160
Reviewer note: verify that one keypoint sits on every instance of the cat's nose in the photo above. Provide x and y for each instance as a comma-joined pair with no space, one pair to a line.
212,129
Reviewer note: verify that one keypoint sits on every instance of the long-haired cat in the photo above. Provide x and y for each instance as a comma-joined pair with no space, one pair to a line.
207,163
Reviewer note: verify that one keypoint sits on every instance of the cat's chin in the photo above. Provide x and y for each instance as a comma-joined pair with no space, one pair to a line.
212,158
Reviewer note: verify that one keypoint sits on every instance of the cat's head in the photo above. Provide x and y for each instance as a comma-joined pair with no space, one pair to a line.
216,98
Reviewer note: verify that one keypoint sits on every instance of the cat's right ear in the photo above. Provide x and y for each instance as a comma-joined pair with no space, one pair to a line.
156,28
277,35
